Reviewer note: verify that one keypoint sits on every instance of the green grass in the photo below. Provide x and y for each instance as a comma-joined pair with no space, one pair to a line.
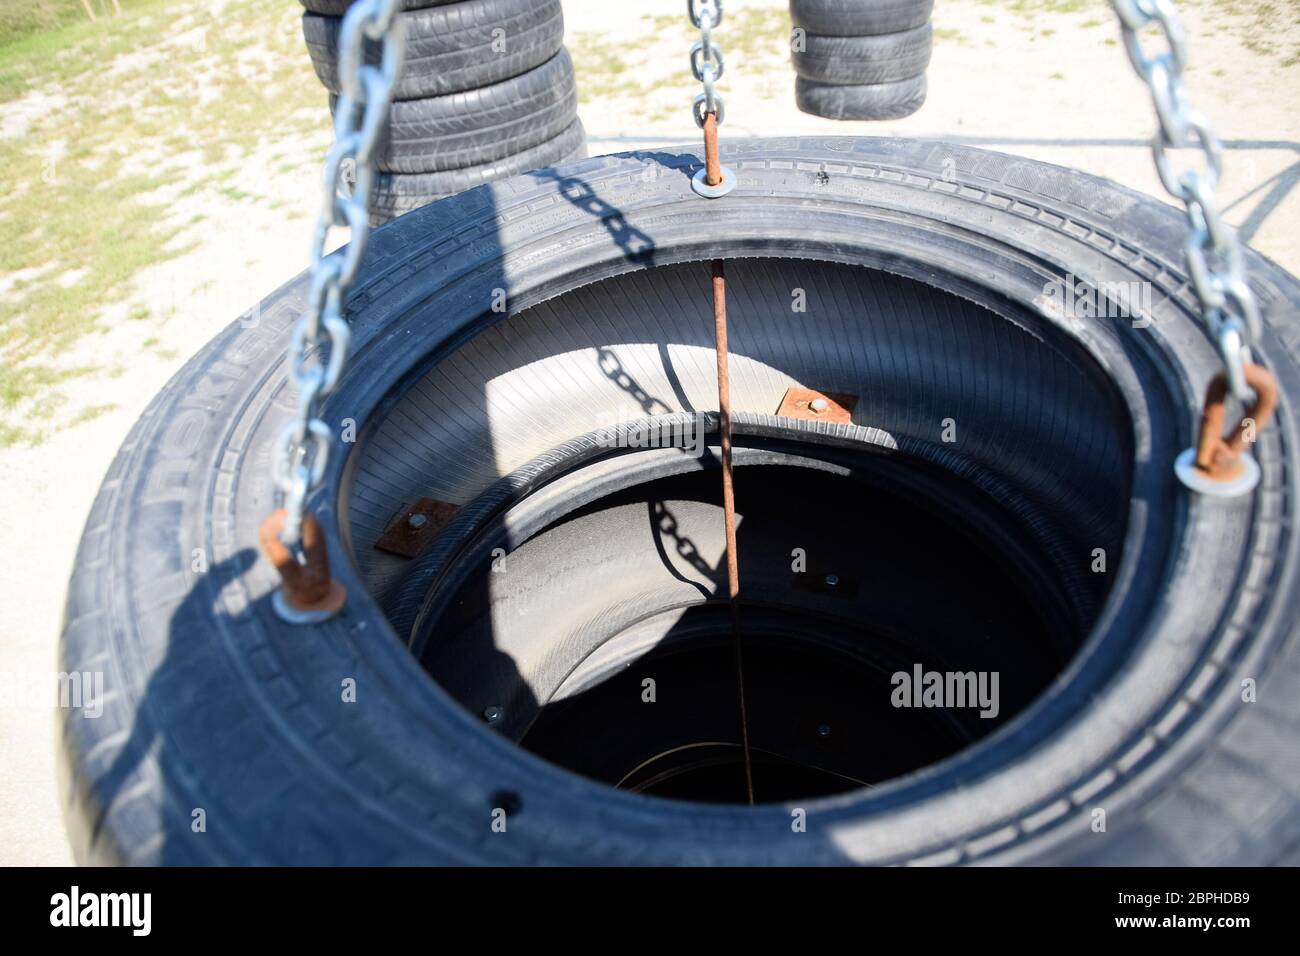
1267,27
23,18
627,68
1045,6
90,413
49,41
121,111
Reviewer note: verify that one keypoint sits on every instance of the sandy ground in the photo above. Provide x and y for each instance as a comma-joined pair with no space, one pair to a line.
1047,85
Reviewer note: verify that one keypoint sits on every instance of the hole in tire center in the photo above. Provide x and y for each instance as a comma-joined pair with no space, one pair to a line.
971,564
847,582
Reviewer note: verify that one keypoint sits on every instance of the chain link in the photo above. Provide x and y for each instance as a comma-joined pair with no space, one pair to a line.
318,348
706,59
1214,257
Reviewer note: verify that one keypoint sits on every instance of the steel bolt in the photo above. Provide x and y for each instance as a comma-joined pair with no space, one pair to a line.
832,580
493,714
824,730
416,522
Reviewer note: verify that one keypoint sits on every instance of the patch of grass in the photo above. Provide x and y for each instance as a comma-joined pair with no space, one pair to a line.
11,435
90,413
1047,6
49,42
1267,27
625,68
22,18
755,33
600,67
114,110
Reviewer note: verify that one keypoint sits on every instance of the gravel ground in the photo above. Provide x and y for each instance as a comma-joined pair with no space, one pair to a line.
1042,79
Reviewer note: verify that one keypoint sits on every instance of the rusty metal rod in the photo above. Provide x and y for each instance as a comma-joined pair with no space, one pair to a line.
729,505
712,165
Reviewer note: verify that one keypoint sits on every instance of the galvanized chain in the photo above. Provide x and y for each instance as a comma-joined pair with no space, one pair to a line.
318,348
706,58
1214,257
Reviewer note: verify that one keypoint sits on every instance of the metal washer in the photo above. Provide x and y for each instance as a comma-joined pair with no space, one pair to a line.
714,192
1185,469
292,615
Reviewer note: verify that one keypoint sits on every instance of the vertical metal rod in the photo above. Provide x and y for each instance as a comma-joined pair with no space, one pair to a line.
712,165
729,503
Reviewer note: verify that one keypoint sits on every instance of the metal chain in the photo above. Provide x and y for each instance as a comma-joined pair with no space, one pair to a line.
1214,256
302,450
706,59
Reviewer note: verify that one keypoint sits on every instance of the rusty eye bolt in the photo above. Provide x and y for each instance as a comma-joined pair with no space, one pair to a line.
1218,455
309,589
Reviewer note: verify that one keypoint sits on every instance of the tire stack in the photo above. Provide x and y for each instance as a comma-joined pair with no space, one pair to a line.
861,59
486,91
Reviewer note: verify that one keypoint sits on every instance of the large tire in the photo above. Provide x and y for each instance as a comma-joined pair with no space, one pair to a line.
879,101
866,59
452,48
211,702
397,193
852,18
479,126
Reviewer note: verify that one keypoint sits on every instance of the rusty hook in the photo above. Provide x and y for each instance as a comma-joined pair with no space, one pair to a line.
1217,465
310,594
1218,455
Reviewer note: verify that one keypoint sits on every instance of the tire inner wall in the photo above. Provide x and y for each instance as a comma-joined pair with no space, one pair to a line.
988,398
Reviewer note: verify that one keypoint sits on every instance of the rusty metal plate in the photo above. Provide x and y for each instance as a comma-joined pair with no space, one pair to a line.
818,406
416,526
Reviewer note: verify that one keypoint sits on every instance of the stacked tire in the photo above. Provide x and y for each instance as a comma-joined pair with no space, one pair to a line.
861,59
486,91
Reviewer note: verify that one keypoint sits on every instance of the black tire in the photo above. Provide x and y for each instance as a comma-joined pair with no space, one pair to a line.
864,60
855,18
455,47
210,701
479,126
879,101
398,193
336,8
388,214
